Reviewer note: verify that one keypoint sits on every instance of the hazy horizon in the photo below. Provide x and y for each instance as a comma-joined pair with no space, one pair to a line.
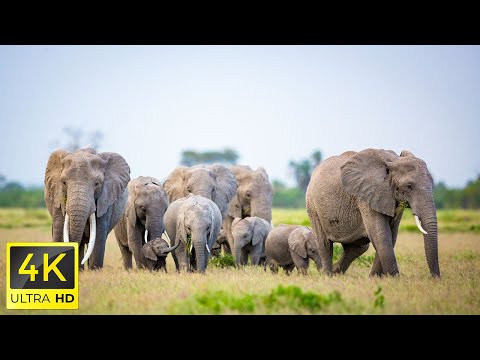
272,104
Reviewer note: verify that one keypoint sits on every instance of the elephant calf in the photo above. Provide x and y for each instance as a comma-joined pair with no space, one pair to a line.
290,246
155,253
249,236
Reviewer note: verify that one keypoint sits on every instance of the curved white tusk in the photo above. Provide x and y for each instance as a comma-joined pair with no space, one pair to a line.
191,247
146,236
208,249
65,229
93,235
419,225
168,238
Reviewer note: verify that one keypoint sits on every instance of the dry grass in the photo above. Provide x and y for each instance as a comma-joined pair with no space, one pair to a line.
113,290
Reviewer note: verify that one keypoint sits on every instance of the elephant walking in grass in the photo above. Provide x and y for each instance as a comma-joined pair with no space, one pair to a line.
193,223
86,195
359,197
249,238
290,246
253,197
143,219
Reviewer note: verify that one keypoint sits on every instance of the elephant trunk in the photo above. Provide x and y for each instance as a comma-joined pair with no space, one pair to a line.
262,208
80,205
200,249
238,253
154,228
170,249
427,217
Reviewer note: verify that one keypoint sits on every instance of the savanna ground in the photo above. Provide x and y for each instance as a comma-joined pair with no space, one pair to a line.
226,290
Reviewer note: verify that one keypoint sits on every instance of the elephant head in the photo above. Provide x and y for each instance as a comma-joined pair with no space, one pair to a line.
302,242
198,226
250,230
83,184
388,182
157,250
147,203
254,193
214,182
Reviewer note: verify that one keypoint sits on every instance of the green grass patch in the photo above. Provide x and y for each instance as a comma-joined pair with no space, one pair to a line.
24,218
282,299
468,255
222,262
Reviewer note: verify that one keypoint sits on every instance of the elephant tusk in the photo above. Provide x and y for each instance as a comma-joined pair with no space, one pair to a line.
92,237
65,229
208,249
168,238
146,236
419,225
191,247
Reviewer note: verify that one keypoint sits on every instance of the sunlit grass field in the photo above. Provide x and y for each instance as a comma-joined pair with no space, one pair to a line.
226,290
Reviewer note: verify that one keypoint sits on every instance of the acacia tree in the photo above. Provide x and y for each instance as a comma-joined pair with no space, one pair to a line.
302,170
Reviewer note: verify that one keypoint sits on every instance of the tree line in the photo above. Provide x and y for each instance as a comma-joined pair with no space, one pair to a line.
14,194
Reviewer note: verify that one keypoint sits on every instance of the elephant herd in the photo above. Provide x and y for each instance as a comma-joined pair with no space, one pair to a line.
352,199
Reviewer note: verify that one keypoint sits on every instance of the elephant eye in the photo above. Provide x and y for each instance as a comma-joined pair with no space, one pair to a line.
245,235
247,194
409,186
188,228
64,183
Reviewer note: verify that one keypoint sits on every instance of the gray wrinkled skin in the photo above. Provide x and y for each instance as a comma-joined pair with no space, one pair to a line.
249,236
358,198
155,254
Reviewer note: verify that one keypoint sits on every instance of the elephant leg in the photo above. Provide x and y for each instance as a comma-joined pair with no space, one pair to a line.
256,254
244,257
182,259
126,256
289,268
325,246
57,225
350,253
227,225
380,234
177,266
377,269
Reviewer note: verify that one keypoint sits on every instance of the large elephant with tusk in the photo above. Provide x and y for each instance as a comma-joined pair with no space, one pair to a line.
359,197
86,195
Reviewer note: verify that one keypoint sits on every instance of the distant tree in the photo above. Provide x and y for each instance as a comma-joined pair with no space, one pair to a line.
76,138
286,197
192,157
302,170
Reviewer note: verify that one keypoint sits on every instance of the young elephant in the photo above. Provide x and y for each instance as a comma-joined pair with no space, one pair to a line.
143,218
249,236
290,246
194,224
155,253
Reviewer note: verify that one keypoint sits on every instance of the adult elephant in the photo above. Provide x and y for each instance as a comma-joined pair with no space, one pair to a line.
86,185
213,182
359,197
253,198
143,218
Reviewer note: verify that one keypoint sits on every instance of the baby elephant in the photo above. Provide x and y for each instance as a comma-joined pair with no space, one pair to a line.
290,246
155,254
249,236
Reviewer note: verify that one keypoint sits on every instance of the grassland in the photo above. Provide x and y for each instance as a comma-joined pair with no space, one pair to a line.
226,290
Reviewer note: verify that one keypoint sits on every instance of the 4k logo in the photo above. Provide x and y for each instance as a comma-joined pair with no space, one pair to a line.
42,276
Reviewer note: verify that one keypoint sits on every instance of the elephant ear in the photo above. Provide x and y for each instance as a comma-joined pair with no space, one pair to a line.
406,153
214,227
53,183
262,171
130,211
148,252
235,208
116,178
261,228
296,242
174,183
181,234
226,187
366,175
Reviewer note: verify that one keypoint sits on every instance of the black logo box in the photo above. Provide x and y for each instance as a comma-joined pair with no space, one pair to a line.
66,266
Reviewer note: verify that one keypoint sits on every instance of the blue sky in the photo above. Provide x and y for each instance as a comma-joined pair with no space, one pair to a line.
270,103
